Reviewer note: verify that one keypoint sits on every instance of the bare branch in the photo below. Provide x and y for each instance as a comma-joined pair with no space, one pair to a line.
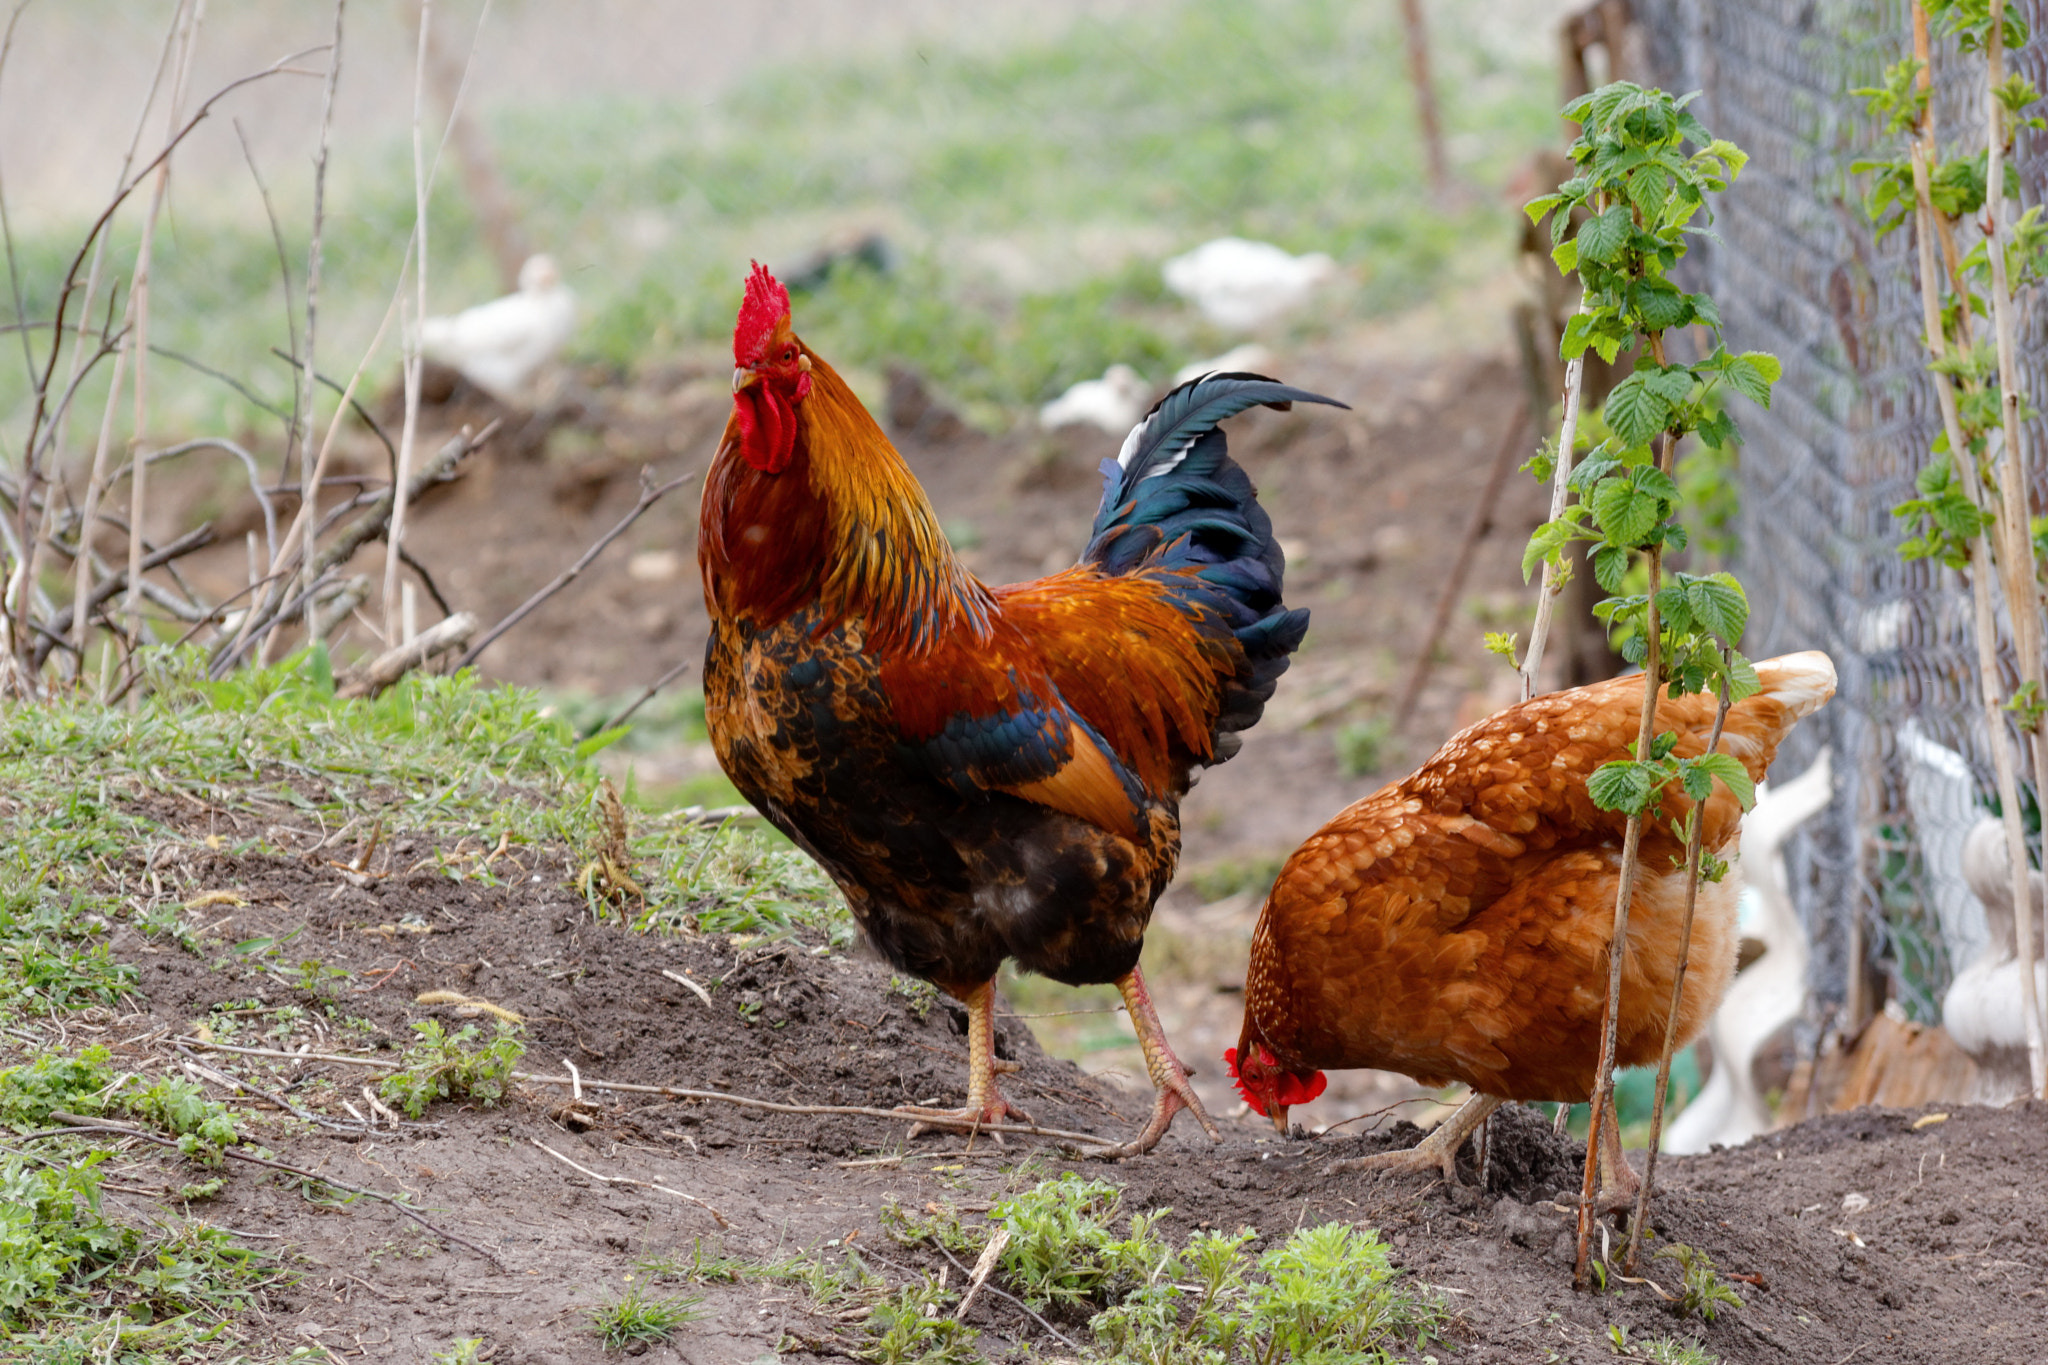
649,495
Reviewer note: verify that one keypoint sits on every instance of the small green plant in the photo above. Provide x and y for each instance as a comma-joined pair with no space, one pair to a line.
53,1082
919,995
440,1066
1062,1246
1672,1351
1361,746
465,1351
910,1327
940,1225
637,1316
1702,1290
202,1126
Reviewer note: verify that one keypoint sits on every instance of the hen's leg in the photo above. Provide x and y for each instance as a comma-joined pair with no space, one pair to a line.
985,1104
1438,1151
1618,1180
1169,1077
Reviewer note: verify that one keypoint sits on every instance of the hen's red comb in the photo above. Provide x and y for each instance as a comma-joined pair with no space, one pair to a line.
766,304
1230,1063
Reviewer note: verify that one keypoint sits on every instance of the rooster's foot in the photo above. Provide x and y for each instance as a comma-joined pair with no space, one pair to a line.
1175,1094
1438,1152
970,1119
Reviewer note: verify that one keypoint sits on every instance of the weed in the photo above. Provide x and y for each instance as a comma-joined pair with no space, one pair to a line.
1672,1351
910,1327
638,1317
1361,746
202,1126
60,1258
921,995
939,1224
717,1268
1702,1289
441,1066
466,1351
1062,1248
54,1081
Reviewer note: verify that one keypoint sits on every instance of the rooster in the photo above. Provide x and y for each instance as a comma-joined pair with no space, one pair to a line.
987,773
1455,926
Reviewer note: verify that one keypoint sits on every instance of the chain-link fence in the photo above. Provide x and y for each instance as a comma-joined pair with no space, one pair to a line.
1799,271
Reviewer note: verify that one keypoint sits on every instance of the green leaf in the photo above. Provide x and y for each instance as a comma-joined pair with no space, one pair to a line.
1625,512
1541,205
1610,566
1731,773
1636,412
1603,237
1672,383
1661,304
1622,786
1718,603
602,740
1545,542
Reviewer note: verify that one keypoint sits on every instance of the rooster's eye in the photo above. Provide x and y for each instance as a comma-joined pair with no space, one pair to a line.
788,354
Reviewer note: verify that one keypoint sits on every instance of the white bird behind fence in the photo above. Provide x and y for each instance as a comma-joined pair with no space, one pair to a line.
502,345
1984,1010
1244,285
1729,1109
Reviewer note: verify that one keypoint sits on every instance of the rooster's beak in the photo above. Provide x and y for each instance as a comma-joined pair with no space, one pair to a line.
1279,1116
742,377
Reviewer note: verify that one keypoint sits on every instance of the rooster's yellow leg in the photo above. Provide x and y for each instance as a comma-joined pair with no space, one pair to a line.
985,1103
1169,1077
1438,1151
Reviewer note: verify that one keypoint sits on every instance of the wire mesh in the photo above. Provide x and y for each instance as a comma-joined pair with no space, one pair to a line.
1798,270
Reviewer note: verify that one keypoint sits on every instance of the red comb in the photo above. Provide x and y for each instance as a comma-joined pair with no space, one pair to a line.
1294,1090
766,304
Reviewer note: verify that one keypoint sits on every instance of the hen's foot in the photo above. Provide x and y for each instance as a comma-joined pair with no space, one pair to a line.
1169,1077
1437,1152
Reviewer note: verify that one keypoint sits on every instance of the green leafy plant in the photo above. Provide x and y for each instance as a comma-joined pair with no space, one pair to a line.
1634,195
920,995
910,1327
464,1351
202,1126
638,1316
440,1066
1361,745
1702,1290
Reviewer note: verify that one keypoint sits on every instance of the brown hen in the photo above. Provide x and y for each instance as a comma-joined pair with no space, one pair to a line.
1455,926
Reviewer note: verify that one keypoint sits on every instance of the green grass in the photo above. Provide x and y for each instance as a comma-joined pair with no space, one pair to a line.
1031,192
93,799
638,1316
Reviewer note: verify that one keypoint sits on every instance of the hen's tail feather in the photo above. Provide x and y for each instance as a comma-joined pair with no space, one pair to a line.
1174,503
1801,683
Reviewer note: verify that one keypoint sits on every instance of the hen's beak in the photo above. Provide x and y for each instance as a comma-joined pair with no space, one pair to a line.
1278,1113
742,377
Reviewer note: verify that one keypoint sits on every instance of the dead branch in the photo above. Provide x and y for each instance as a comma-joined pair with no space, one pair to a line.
364,529
302,402
59,625
368,680
722,1220
649,495
663,681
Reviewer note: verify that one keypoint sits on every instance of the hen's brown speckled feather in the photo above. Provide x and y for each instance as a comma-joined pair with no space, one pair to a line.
1455,926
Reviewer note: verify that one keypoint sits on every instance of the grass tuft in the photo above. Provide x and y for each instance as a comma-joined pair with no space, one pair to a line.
639,1316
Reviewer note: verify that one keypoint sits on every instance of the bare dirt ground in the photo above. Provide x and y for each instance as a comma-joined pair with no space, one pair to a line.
1881,1234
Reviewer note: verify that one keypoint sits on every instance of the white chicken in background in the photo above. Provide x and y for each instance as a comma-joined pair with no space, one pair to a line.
1250,358
1115,403
1941,794
1772,990
1244,285
501,345
1984,1010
